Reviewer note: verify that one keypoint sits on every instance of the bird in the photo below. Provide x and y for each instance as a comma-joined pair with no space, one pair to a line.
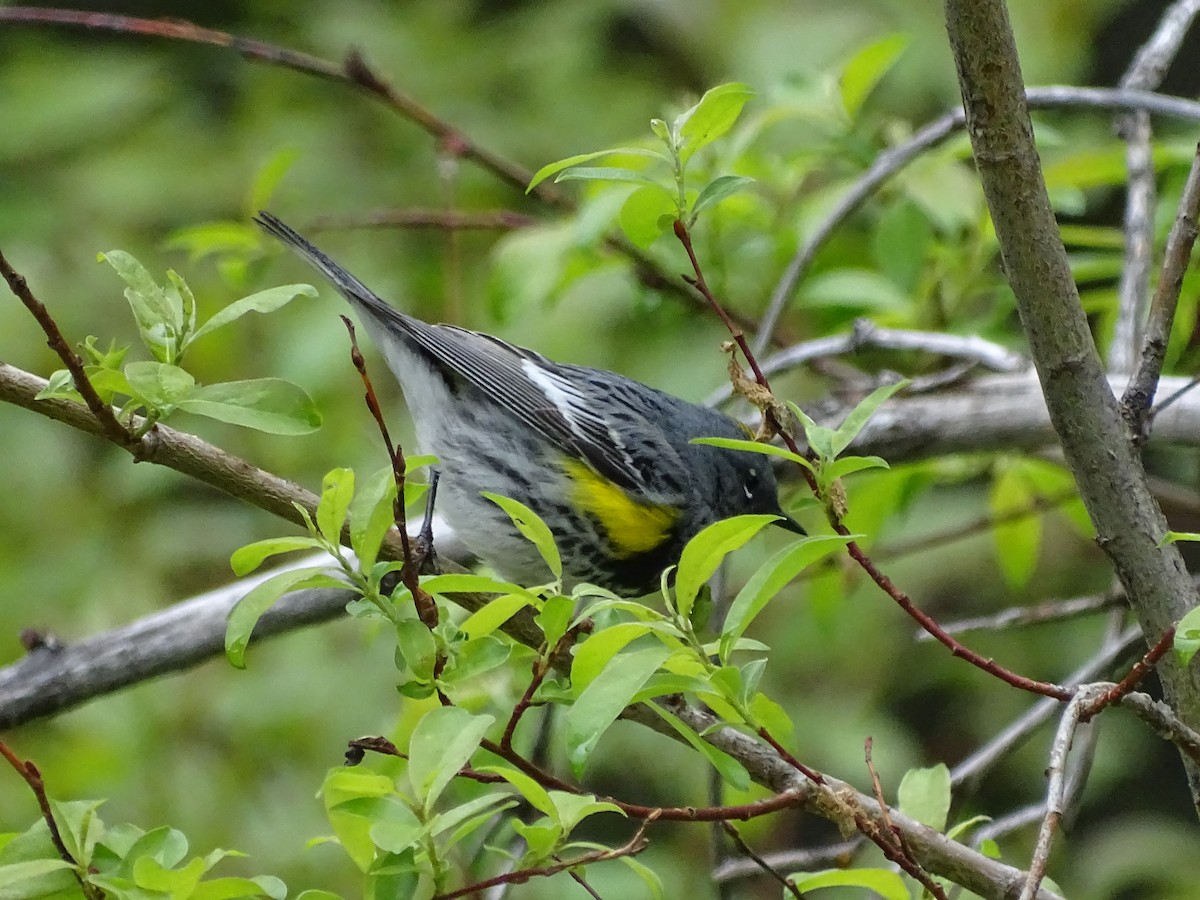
607,462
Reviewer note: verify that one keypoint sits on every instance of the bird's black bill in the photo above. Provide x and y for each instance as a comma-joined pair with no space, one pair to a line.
787,523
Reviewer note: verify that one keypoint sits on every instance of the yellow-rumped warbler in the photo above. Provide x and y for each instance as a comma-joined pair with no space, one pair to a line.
604,460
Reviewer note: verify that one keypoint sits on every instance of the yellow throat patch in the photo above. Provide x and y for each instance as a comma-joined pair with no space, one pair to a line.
631,527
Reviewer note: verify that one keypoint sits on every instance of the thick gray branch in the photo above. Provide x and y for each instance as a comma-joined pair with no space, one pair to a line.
1082,408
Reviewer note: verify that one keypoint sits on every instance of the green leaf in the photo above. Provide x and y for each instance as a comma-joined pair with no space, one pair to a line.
731,771
494,614
1172,537
602,701
717,190
857,420
1017,540
187,303
59,386
571,809
714,115
159,316
555,167
248,558
477,657
264,404
647,214
754,447
269,176
337,491
848,465
538,796
532,527
885,883
399,831
417,648
924,795
229,889
611,173
160,385
1187,636
554,618
15,873
768,714
372,515
245,615
451,818
769,580
594,654
865,69
262,302
441,745
648,876
705,552
467,583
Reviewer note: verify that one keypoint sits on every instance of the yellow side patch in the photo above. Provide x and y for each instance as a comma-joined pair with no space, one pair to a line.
631,527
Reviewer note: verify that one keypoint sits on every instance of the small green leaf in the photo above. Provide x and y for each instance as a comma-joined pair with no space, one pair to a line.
611,173
372,514
477,657
887,884
245,615
647,214
848,465
538,796
769,580
467,583
532,527
262,302
731,771
399,831
1187,636
248,558
717,190
555,167
441,745
159,319
60,386
705,552
866,68
1172,537
14,873
494,614
924,795
861,414
714,115
768,714
602,701
754,447
598,650
417,648
571,809
161,385
264,404
554,618
337,491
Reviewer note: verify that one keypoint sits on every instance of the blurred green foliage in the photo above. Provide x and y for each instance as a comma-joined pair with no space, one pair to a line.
112,141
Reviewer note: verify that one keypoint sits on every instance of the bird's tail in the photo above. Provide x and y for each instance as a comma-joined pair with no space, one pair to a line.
359,295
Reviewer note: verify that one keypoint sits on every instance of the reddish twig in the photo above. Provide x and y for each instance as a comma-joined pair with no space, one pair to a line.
811,774
632,847
425,605
103,412
1137,672
541,666
29,772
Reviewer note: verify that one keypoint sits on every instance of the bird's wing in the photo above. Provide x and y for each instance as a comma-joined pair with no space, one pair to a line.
552,400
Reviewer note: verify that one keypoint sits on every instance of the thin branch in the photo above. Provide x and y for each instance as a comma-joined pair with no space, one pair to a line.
1146,72
1039,614
761,864
1055,790
1162,719
1139,395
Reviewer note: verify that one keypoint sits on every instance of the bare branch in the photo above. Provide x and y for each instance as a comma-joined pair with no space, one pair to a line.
1139,395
